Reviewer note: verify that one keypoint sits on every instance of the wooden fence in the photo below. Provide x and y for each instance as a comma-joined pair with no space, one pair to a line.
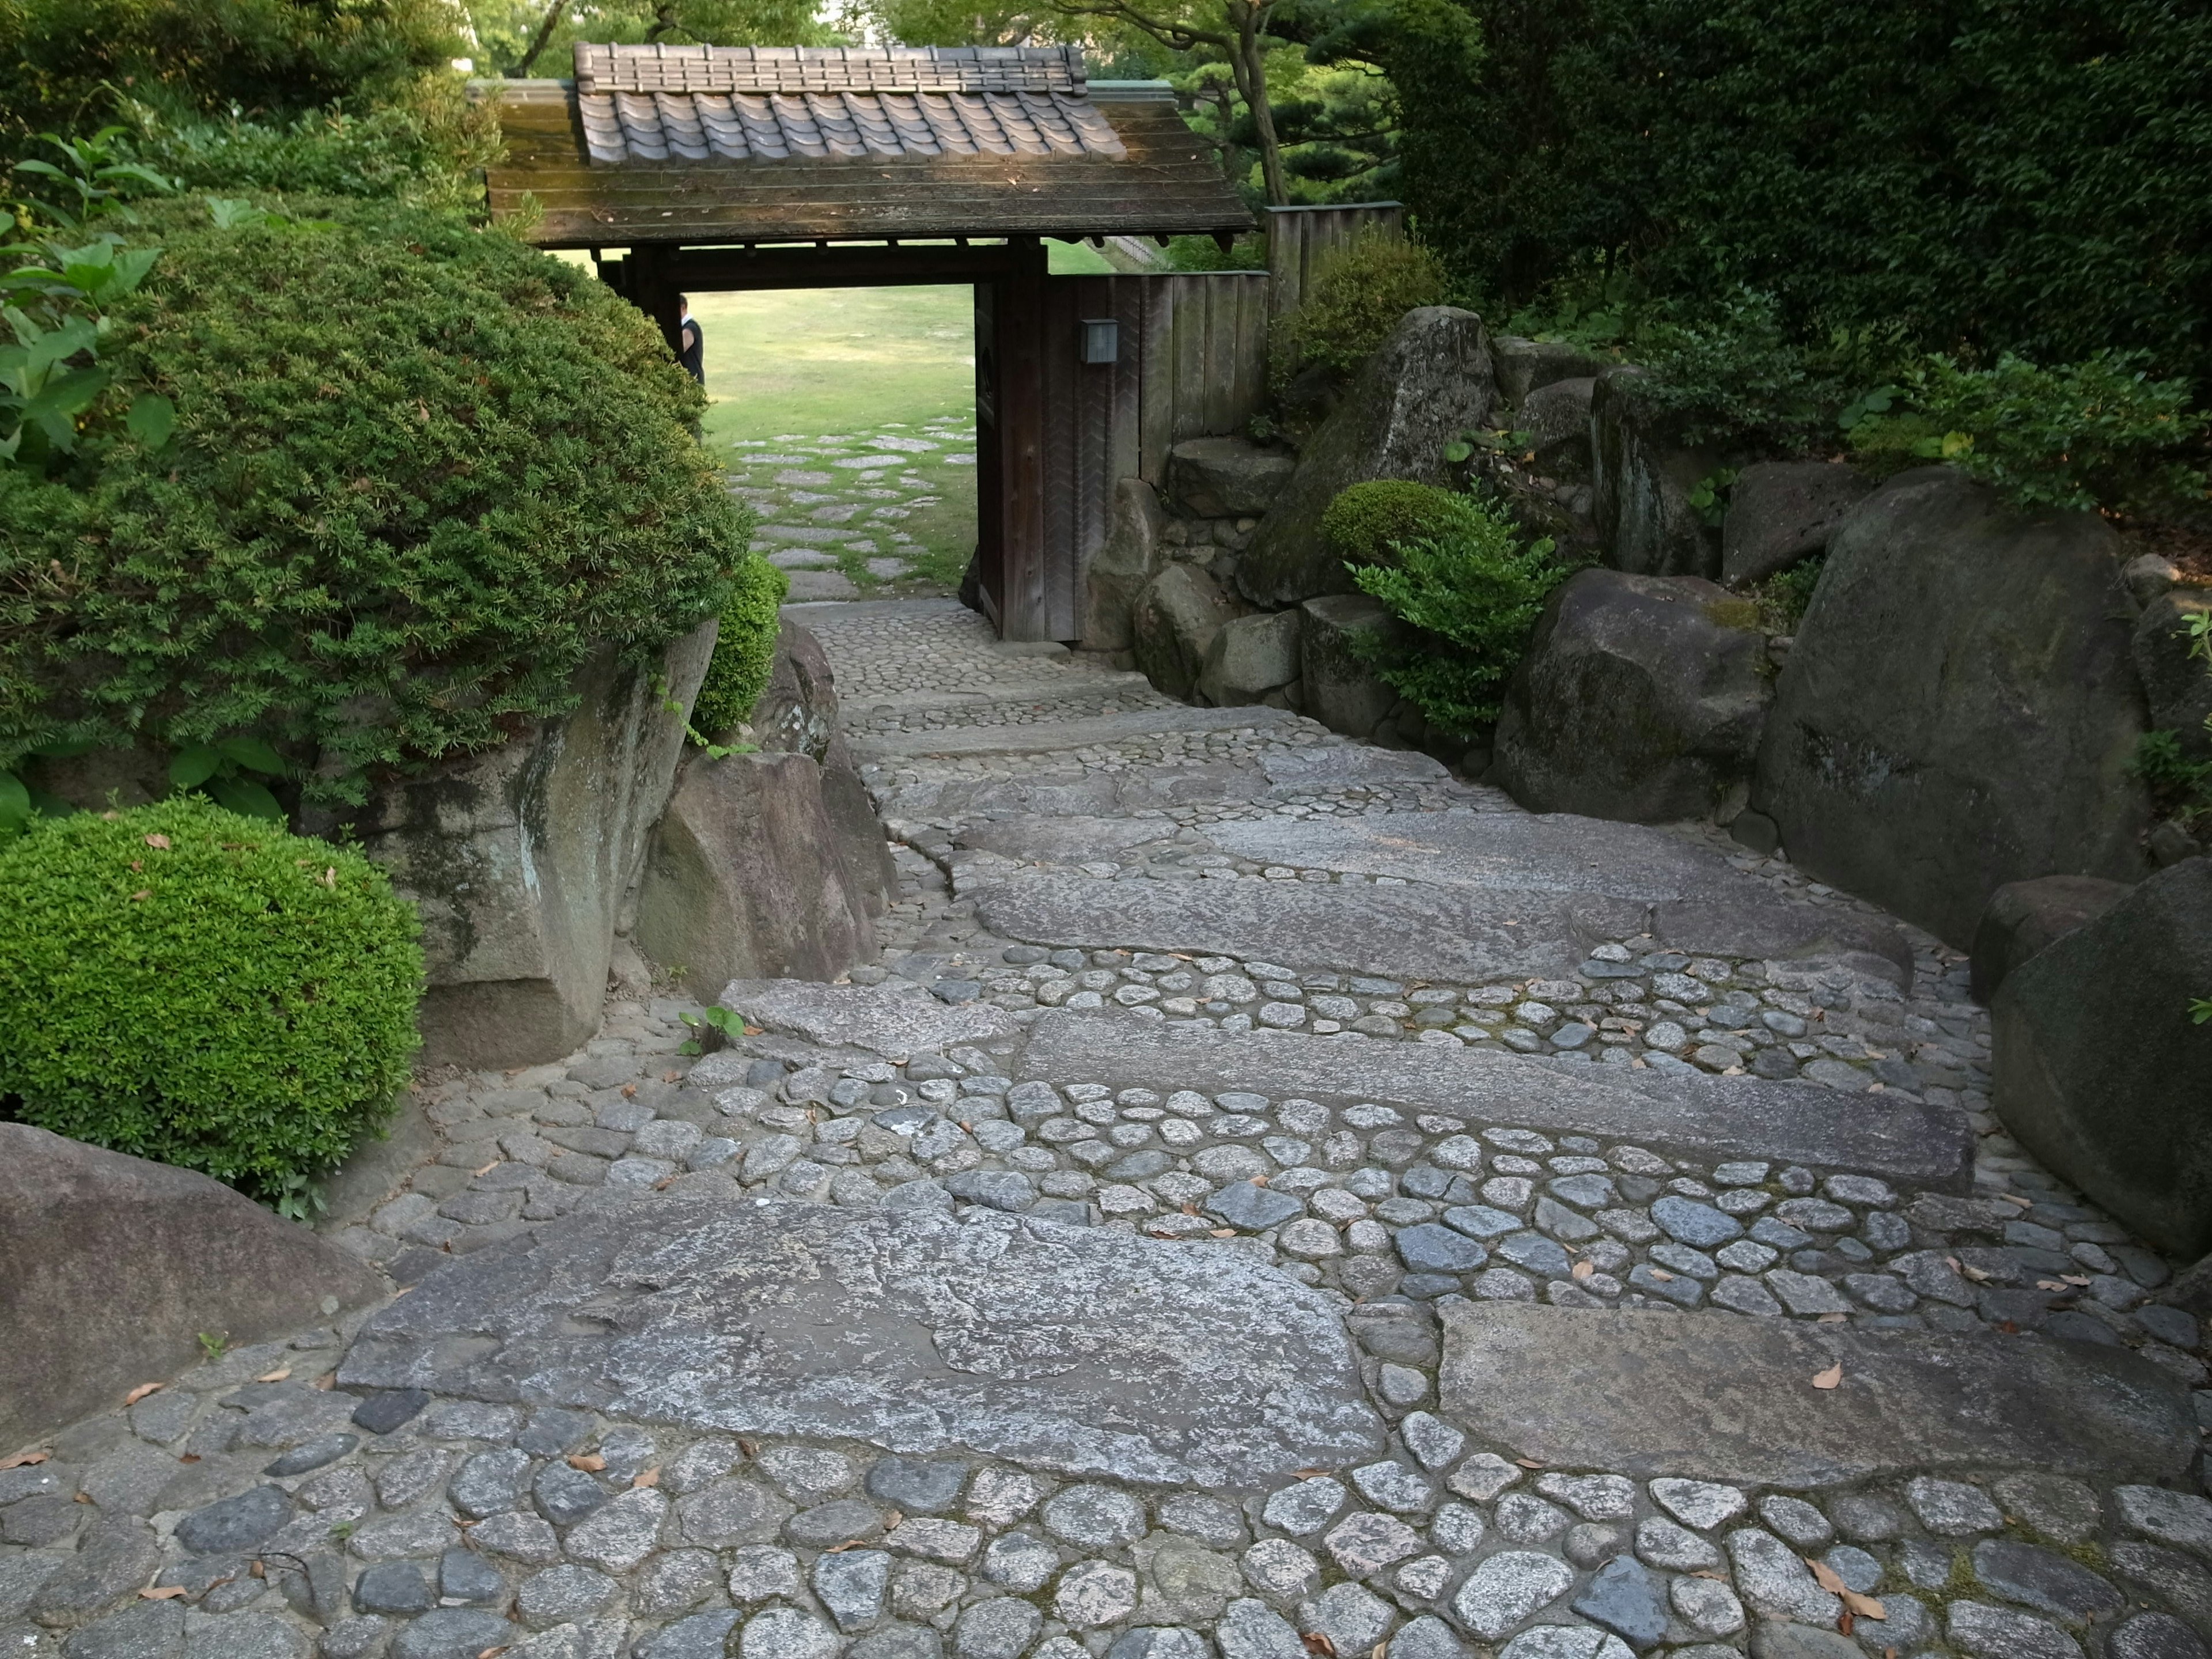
1300,240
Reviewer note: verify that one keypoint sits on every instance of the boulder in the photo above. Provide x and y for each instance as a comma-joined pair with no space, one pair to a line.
519,858
1118,570
1643,478
1226,478
1250,657
115,1265
2098,1069
1641,698
1525,365
1780,512
2025,917
1959,710
1430,381
746,879
1177,616
2178,686
1556,418
1339,689
796,713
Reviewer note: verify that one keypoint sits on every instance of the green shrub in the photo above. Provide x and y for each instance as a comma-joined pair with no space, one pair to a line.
1474,592
1364,524
426,153
419,474
201,989
1204,253
744,648
2099,433
1360,295
1984,174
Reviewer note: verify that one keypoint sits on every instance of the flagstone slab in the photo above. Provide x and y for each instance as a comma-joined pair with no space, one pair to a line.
1080,1350
895,1020
1723,1396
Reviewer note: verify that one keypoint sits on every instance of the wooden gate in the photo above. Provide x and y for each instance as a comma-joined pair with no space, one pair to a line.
1191,361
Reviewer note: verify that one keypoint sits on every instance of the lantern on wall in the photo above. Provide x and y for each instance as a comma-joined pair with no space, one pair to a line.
1101,340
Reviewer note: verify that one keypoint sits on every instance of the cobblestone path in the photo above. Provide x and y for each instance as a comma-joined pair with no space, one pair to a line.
862,510
1492,1235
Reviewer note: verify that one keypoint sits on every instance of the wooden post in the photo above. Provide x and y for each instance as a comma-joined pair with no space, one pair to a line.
652,287
1019,320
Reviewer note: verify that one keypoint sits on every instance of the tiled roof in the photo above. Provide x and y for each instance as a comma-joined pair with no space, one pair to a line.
655,104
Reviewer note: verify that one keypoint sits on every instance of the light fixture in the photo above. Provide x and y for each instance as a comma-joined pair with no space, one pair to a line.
1101,340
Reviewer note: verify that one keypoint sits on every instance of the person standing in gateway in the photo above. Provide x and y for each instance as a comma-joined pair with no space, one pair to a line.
693,355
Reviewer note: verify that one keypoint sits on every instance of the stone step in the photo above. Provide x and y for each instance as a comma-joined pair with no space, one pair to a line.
1045,736
1462,934
1048,685
1884,1133
1720,1396
1085,1351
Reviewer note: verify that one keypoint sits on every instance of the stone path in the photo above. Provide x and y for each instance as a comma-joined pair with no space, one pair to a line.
1274,1200
863,511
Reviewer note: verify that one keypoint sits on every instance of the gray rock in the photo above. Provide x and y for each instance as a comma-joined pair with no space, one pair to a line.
1340,688
1921,753
1157,1372
827,1526
1556,418
567,1591
1644,477
1305,1508
2173,679
1922,1143
453,1633
1226,478
1427,383
1720,1397
1433,1247
466,1577
1628,1599
1776,1581
150,1630
851,1584
396,1587
1802,1642
134,1260
242,1635
2047,1582
1639,697
745,878
1351,1616
312,1454
2065,1510
1993,1632
700,1637
1118,570
786,1633
1249,1630
899,1642
489,1482
2110,1101
565,1494
1523,366
1782,512
1695,1223
1254,1208
896,1019
236,1524
1507,1588
915,1485
999,1628
2154,1636
1174,623
2025,916
520,857
621,1535
1094,1517
1250,657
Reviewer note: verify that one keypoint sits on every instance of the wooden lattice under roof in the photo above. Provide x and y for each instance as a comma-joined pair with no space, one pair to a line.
701,144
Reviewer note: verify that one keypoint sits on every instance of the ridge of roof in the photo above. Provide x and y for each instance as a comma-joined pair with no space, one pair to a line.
605,68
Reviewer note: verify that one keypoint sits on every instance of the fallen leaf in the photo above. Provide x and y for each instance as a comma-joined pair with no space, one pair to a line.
142,893
1259,1180
2009,1328
1378,1651
589,1462
1223,1232
1317,1643
83,1497
1830,1319
493,1653
664,1182
1825,1575
647,1477
2076,1279
257,1569
1308,1474
167,1592
1975,1273
1662,1275
161,842
1865,1605
276,1375
2014,1198
671,1077
21,1458
141,1392
190,1457
750,1449
1189,1208
1844,1621
1584,1269
1528,1462
330,876
629,1089
1831,1377
752,1030
1710,1573
2051,1284
487,1169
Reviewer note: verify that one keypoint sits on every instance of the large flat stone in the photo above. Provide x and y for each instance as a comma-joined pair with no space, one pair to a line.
1083,1351
895,1020
1721,1397
1348,766
946,798
1887,1134
113,1265
1462,935
1046,736
1072,840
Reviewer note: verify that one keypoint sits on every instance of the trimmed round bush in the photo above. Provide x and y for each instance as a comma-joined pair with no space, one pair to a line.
202,989
1367,521
1362,295
420,474
744,649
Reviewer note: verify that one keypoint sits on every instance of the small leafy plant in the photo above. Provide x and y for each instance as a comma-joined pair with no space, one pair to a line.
719,1020
218,769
